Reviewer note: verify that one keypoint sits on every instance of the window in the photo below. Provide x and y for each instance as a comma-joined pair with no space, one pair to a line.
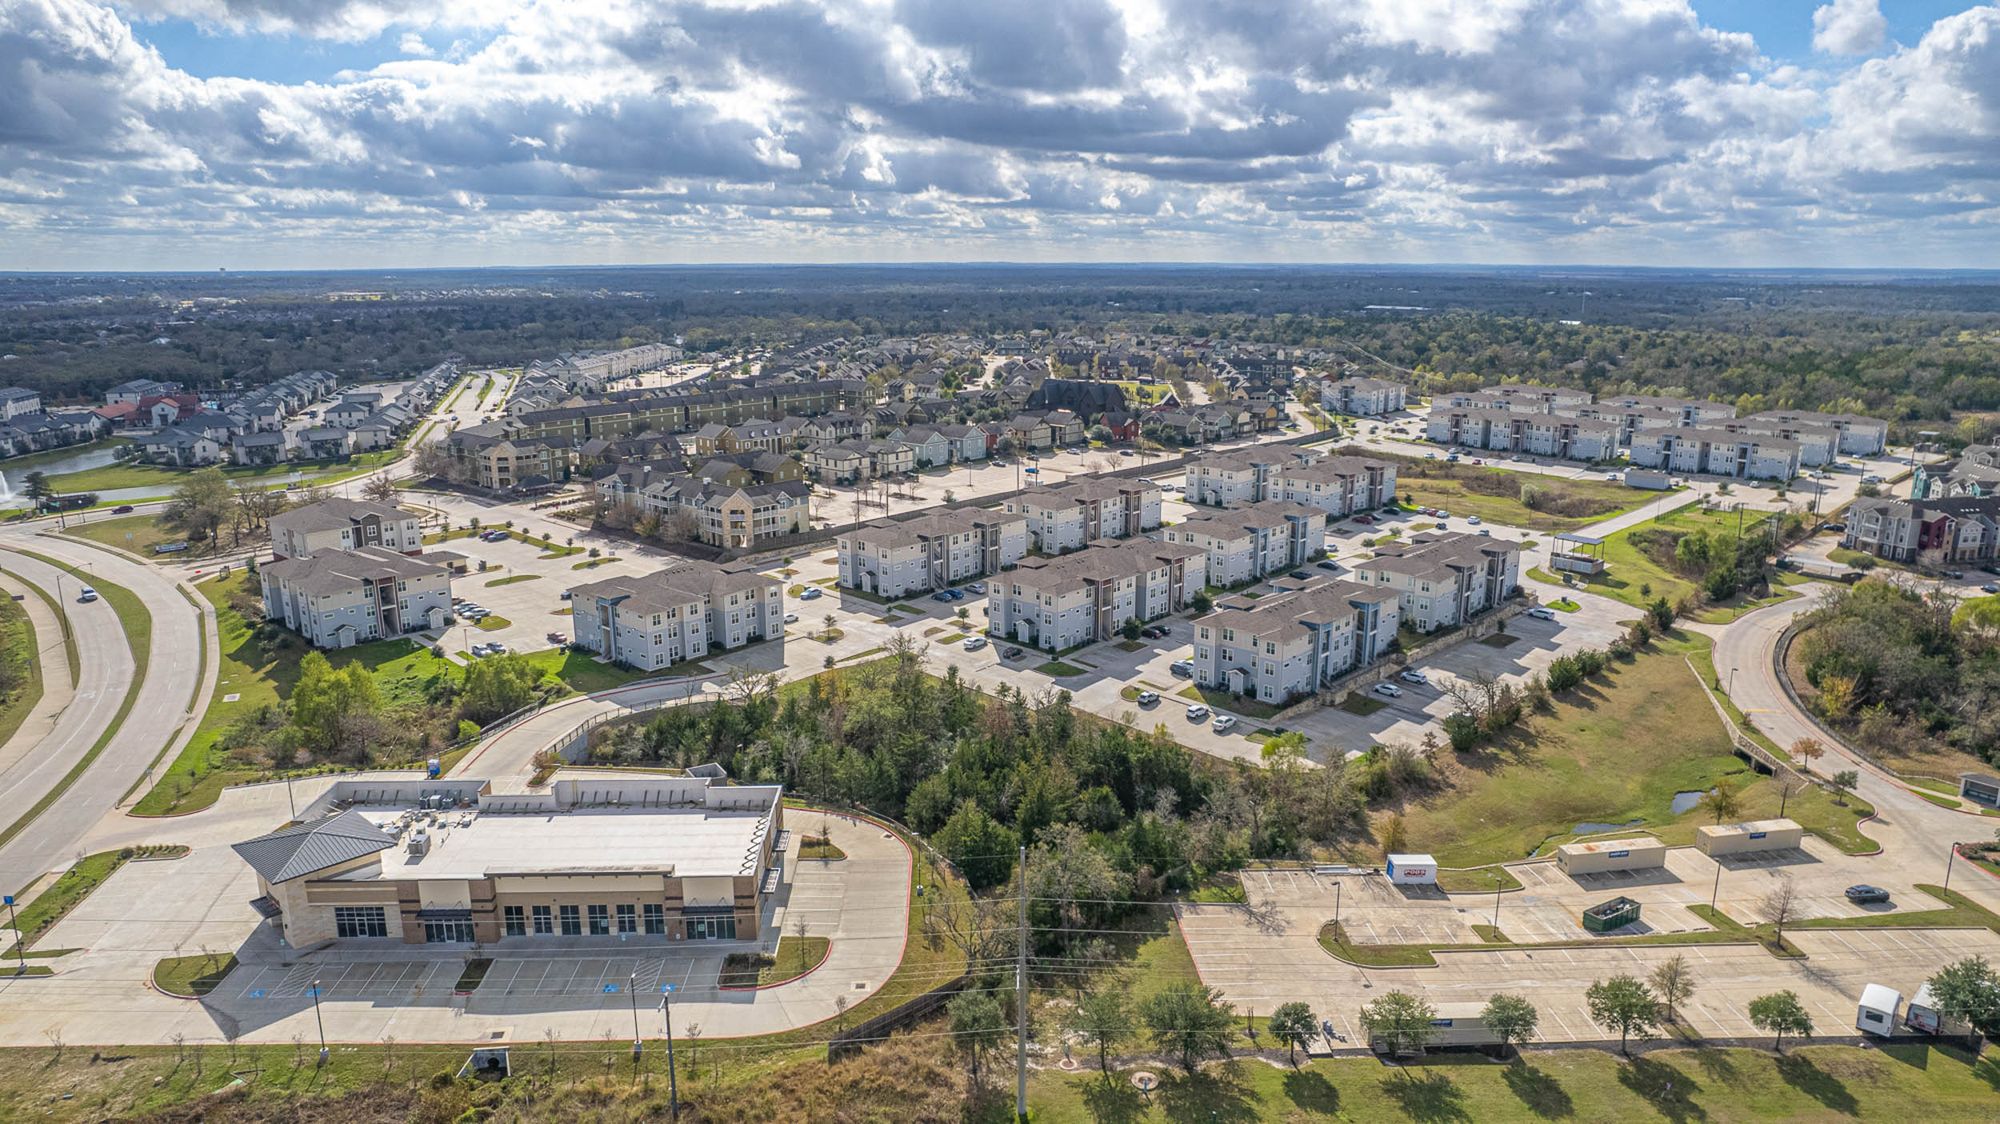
572,921
656,919
515,920
600,921
448,932
628,919
360,921
545,921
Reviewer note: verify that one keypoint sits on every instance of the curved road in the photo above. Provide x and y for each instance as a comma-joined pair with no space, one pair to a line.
161,716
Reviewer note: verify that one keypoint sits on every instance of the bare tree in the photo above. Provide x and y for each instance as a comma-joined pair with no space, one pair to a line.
746,687
1673,982
1782,905
379,488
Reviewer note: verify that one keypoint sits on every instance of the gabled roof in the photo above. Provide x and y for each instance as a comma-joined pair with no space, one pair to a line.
296,851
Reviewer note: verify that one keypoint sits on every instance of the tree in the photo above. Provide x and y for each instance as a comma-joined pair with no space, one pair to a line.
1067,873
1130,629
829,621
497,686
1968,992
1295,1025
1673,982
1781,904
1189,1021
379,488
201,505
1200,603
333,710
977,1026
1399,1021
1722,801
1392,834
1103,1020
1511,1019
1283,752
1622,1002
37,486
1843,783
1808,750
980,847
1781,1013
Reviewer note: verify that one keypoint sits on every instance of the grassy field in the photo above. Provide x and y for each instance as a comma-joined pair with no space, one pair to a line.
141,533
18,648
1715,1086
1634,578
1617,750
793,959
133,474
1596,499
257,677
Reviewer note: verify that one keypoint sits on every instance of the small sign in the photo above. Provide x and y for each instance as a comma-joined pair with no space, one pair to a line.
1758,834
256,993
9,901
610,989
666,989
1621,854
1441,1022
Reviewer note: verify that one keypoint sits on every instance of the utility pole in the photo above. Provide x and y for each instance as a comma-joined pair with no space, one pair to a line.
1021,999
667,1021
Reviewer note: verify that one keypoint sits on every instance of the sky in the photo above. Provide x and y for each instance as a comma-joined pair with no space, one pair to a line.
322,134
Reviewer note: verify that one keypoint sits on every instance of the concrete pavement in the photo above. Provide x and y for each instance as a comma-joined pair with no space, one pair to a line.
58,690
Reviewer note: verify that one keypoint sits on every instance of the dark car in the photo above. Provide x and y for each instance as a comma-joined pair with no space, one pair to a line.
1010,653
122,509
1328,565
1300,575
1865,894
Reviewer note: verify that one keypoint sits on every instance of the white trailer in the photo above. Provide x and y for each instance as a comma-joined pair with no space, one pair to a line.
1877,1014
1412,870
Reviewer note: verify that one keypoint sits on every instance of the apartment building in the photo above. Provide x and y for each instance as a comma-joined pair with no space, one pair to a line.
1818,444
1976,472
1686,411
1078,512
894,558
341,524
1340,485
1363,397
496,457
1859,436
732,516
1447,579
1241,476
1060,603
1291,644
1516,398
340,598
1539,434
1700,449
1252,542
1934,531
648,861
656,620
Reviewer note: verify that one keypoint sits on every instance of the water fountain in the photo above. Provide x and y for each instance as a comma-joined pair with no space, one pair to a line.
6,489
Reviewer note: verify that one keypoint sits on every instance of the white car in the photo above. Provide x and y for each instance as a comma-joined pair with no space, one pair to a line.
1413,676
1197,712
974,643
88,594
1472,519
977,587
1148,698
1389,690
1542,613
791,618
1222,722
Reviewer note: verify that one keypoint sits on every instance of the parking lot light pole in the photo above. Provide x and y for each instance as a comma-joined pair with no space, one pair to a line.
632,986
1496,905
20,941
667,1021
1950,857
321,1023
1336,909
1717,888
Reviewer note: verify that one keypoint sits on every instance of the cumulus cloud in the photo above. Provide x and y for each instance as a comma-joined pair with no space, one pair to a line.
1504,129
1849,27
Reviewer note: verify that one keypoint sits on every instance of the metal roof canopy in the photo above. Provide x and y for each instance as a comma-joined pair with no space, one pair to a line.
1586,540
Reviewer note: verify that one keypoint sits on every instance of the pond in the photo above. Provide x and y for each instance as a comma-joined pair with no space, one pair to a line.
1601,828
1686,801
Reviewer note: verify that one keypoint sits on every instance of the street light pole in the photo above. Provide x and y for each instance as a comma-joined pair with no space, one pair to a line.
321,1024
1951,857
667,1021
632,987
1715,890
20,939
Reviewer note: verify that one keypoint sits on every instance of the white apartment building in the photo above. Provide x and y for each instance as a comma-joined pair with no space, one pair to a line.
1071,515
1516,398
1241,476
1363,397
1818,444
892,559
1340,485
1248,543
339,598
1697,449
1859,436
1291,644
659,619
1447,579
1060,603
339,524
1518,431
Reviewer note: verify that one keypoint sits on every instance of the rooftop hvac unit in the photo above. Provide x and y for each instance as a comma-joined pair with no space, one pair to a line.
420,843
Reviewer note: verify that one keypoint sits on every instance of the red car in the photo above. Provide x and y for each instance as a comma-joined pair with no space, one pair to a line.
1364,519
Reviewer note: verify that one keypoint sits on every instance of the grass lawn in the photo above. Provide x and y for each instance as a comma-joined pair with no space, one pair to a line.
793,959
594,563
1601,499
137,475
1363,705
1237,704
137,622
514,579
136,533
1060,669
18,648
1616,750
192,977
492,623
1713,1085
1632,575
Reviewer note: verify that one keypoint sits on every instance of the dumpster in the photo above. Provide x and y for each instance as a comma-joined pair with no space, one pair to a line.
1614,914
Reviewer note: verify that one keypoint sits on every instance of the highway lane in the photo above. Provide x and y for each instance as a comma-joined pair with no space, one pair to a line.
160,715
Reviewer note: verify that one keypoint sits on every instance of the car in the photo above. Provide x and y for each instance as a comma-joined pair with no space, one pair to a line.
496,648
1222,722
1542,613
1328,564
1147,698
565,595
1156,632
977,587
1011,653
1124,452
1389,690
1611,476
810,593
122,509
791,618
941,595
1368,519
1182,668
1871,478
1954,575
1430,456
87,594
1864,894
1989,587
476,651
1476,460
974,643
1835,527
1299,575
1441,513
1472,519
1197,712
1412,675
955,594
